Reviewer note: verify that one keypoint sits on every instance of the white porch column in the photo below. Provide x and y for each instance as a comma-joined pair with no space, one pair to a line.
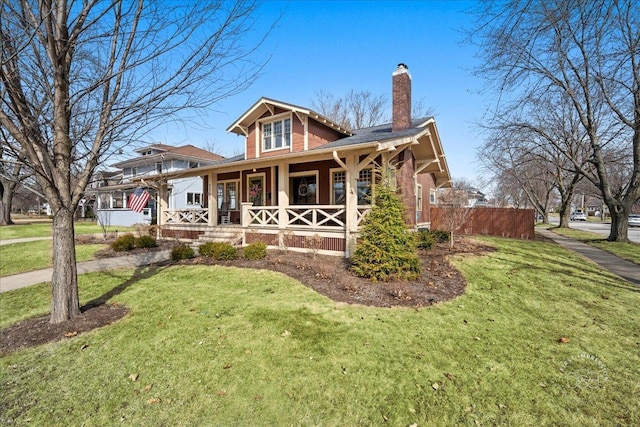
213,199
351,195
162,204
245,216
283,194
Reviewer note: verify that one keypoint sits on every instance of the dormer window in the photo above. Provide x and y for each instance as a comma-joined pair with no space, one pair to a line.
276,135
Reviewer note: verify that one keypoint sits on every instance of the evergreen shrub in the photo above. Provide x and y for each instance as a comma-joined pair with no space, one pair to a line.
386,249
182,252
126,242
254,251
218,250
145,241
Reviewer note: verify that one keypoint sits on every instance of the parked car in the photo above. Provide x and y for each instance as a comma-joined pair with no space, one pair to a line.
634,220
578,216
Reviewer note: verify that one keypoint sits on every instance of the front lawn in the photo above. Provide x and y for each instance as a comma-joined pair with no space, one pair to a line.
43,229
209,345
627,250
28,256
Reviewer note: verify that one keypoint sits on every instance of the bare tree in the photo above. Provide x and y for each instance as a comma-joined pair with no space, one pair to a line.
80,80
587,52
453,203
543,153
355,110
11,174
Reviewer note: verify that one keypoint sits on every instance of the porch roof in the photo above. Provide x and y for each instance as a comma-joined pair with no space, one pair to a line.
422,136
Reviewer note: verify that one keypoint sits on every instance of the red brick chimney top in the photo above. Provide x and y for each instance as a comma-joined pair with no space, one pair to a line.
401,80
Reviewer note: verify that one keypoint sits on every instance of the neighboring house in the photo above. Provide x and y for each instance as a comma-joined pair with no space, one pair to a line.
476,198
302,175
108,193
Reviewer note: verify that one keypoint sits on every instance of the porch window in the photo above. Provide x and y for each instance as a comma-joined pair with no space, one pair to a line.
432,197
303,190
194,199
276,135
338,186
338,181
364,187
228,194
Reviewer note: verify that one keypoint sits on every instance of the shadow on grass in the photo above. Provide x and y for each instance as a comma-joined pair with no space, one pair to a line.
140,273
555,263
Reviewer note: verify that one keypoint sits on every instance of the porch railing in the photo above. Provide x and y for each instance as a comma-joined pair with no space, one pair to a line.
317,216
362,212
298,216
186,216
263,216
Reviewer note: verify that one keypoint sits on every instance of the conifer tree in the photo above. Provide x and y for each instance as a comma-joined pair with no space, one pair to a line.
386,249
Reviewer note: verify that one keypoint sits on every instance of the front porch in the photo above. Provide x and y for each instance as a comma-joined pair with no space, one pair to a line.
321,228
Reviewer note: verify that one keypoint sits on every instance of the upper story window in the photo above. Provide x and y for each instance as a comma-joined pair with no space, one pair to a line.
276,135
193,165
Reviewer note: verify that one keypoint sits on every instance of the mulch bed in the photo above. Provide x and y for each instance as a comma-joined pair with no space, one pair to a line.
327,275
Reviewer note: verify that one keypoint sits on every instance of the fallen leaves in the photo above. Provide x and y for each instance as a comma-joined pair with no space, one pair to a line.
70,334
133,377
563,340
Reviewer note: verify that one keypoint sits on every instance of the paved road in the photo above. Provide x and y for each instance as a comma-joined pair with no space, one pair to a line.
599,227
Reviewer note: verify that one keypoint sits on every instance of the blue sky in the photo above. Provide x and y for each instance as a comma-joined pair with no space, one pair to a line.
337,46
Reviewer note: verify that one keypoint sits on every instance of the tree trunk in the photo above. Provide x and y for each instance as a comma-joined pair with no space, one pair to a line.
6,198
564,215
64,283
619,225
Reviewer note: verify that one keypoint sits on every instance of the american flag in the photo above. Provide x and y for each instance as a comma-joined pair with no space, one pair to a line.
138,199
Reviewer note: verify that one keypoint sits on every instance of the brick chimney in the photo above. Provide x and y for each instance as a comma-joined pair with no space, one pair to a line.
401,98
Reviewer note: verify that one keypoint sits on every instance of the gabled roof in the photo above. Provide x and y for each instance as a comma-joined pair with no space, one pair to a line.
257,110
167,152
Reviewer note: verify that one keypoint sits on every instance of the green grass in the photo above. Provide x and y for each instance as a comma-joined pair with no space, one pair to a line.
239,347
627,250
43,229
22,257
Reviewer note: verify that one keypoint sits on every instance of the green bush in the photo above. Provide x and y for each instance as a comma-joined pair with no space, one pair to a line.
218,250
206,249
254,251
386,249
225,251
123,243
145,242
182,252
441,236
425,239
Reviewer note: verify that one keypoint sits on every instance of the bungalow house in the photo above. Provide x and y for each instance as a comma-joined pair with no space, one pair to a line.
302,175
108,194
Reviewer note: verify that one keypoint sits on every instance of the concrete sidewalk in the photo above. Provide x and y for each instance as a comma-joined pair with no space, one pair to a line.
9,283
628,270
23,240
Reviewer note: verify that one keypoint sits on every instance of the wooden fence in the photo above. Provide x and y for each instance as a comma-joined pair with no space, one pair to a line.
503,222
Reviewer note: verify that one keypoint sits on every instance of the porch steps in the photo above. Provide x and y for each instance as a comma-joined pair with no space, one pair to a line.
231,235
